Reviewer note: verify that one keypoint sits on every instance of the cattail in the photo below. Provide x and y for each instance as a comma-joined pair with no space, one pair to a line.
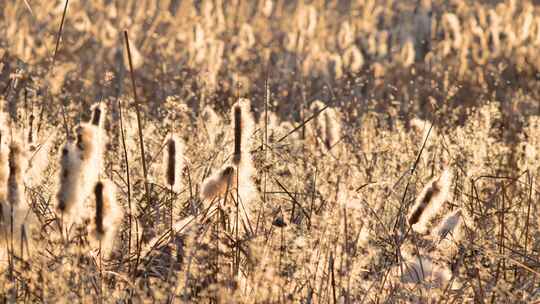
345,35
216,185
448,225
332,125
69,196
86,141
317,127
327,125
452,29
98,192
98,115
173,162
243,129
237,135
434,194
267,7
527,21
353,59
108,214
31,129
246,36
90,146
336,65
17,166
407,54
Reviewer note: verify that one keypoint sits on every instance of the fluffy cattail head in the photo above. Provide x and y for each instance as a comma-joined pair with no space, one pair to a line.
428,203
332,123
17,162
87,140
68,195
108,213
17,166
217,185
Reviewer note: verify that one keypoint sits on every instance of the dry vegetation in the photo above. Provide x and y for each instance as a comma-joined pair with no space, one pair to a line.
270,151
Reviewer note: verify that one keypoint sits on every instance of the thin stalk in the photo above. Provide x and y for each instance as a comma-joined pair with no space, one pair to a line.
128,180
138,114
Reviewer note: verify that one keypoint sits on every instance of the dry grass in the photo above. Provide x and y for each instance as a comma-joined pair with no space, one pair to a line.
381,151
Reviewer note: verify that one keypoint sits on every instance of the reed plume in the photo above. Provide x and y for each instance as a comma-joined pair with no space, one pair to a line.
432,197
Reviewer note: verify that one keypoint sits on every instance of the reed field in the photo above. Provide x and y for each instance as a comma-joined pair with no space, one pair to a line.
270,151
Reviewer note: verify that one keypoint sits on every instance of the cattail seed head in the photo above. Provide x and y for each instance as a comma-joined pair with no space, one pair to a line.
90,148
243,129
216,185
31,129
108,214
237,134
98,115
69,196
173,162
428,203
17,166
87,140
98,192
332,123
